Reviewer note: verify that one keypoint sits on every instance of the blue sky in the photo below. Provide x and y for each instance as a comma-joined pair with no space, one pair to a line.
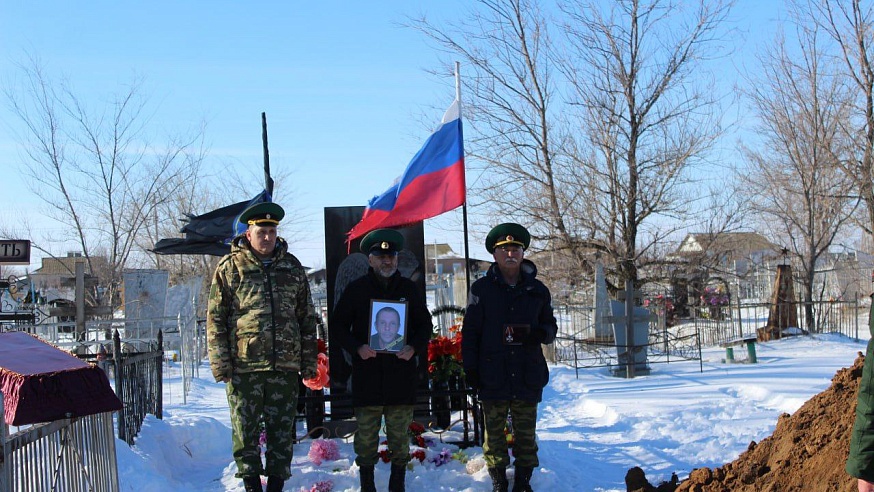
344,86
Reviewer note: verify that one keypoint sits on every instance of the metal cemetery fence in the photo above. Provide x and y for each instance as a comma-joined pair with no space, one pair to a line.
578,345
139,386
76,454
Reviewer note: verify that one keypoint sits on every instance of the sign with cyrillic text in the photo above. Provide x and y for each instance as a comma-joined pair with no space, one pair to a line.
14,252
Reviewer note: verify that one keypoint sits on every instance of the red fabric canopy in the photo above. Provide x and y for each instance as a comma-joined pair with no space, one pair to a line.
41,383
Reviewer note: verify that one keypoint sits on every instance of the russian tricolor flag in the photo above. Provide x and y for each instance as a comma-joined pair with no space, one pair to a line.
433,182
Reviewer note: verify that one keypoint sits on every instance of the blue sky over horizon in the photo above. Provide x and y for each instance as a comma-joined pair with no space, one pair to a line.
344,86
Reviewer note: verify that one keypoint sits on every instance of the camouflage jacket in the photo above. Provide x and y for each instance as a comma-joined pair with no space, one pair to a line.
260,318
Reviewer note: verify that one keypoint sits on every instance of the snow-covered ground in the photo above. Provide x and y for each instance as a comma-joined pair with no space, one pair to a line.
591,429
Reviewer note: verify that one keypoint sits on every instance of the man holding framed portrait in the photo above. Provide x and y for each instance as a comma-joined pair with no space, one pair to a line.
382,321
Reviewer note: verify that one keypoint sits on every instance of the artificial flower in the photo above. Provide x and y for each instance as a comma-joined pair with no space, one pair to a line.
323,450
323,377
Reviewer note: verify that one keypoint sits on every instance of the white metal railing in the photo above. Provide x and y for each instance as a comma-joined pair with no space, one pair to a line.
74,454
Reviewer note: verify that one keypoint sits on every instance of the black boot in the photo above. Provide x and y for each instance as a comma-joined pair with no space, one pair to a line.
499,478
522,482
274,484
366,475
252,484
396,482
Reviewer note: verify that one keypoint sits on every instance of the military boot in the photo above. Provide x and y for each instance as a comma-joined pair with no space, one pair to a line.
396,482
499,478
274,484
366,475
522,482
252,484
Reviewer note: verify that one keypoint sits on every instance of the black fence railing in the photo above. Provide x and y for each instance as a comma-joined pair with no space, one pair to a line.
139,386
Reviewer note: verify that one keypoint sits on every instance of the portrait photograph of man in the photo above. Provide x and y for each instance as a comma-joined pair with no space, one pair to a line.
388,320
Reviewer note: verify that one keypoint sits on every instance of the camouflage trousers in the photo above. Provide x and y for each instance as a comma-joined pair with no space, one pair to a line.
270,396
524,417
397,422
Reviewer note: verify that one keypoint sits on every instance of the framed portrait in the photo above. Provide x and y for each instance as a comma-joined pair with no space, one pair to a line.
388,325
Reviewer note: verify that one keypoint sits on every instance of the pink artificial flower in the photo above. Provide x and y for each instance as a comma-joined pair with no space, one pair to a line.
323,450
322,486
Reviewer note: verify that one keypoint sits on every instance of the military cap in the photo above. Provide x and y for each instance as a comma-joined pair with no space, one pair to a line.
507,233
262,214
382,241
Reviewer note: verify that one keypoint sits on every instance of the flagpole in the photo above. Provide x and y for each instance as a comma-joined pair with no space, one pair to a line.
268,181
463,205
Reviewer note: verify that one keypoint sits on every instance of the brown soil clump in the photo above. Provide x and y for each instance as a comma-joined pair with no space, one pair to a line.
806,452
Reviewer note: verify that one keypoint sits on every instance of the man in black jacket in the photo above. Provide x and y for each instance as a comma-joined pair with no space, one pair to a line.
383,383
509,315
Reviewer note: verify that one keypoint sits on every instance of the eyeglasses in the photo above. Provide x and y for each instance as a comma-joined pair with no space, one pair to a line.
511,249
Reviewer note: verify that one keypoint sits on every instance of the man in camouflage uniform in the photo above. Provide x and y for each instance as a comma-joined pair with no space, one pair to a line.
509,315
261,332
383,382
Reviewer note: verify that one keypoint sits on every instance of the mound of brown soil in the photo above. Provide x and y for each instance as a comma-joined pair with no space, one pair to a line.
806,452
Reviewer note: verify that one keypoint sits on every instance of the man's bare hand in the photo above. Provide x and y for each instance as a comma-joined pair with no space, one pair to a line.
365,352
865,486
406,353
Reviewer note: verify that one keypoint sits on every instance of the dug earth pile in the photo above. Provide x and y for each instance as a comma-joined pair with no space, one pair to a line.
806,452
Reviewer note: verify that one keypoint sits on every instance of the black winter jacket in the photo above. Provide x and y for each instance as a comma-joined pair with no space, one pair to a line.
508,372
384,379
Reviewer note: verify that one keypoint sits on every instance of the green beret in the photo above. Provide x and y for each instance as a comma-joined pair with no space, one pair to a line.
507,233
382,241
262,214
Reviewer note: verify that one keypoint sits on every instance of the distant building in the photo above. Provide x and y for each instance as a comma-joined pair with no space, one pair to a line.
740,262
440,259
60,273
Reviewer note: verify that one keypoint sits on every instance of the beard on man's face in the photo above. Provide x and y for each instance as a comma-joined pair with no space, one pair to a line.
386,270
384,266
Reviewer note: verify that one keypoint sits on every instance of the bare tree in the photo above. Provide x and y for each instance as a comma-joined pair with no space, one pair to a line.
510,102
605,182
646,118
97,169
851,25
796,182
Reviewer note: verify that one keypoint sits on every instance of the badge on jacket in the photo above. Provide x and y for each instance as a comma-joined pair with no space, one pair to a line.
515,334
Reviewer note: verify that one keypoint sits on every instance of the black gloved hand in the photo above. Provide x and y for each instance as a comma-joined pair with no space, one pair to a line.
536,336
471,376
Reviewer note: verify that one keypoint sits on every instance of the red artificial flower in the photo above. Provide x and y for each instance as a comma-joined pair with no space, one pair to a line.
418,454
385,455
416,428
444,356
323,377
